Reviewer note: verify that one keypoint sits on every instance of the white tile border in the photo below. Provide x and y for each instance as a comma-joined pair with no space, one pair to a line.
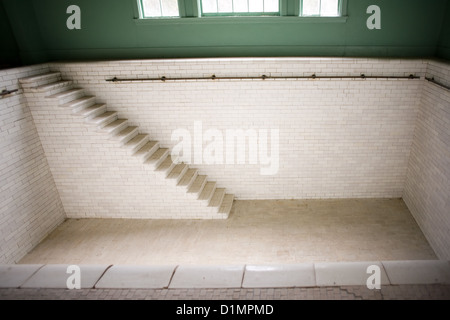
418,271
13,275
208,277
136,277
56,275
279,276
228,276
346,273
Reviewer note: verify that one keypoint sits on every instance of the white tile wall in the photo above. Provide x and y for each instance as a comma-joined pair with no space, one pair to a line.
30,206
338,138
427,188
96,177
440,71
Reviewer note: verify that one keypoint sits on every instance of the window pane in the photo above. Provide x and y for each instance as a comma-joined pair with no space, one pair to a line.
329,8
209,6
240,6
311,7
256,6
225,5
170,8
151,8
271,6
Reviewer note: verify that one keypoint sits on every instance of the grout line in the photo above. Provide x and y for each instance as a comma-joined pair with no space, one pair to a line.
315,275
171,277
381,286
385,271
243,275
101,276
19,287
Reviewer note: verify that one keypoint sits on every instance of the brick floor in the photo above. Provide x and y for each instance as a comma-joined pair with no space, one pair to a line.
403,292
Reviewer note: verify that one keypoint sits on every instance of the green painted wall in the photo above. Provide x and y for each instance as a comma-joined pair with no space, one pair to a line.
444,41
410,28
22,19
9,52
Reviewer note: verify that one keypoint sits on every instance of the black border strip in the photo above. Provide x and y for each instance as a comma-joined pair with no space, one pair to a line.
437,83
262,77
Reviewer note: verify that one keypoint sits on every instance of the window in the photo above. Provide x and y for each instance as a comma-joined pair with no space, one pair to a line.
151,11
320,8
158,8
240,7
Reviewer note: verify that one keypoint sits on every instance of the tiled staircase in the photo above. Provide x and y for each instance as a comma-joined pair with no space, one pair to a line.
138,144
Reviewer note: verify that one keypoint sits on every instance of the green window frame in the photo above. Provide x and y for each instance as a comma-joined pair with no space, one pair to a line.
243,14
